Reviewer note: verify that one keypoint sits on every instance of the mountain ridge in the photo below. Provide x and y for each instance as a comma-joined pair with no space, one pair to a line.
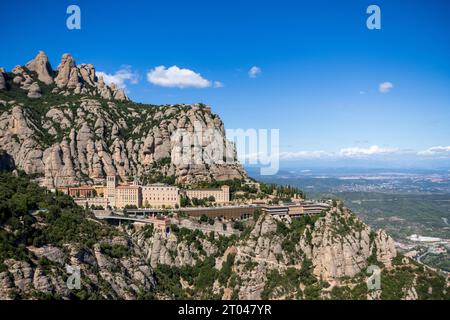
325,256
66,127
69,127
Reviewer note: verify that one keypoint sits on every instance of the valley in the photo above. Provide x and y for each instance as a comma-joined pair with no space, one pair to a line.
402,202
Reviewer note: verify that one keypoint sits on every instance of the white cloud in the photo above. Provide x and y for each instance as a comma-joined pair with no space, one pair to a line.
385,87
372,152
364,152
218,84
303,155
254,72
343,153
120,77
436,151
176,77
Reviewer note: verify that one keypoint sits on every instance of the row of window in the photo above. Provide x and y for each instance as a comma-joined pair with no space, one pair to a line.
160,189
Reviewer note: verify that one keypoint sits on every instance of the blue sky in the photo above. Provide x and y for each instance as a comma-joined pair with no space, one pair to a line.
321,67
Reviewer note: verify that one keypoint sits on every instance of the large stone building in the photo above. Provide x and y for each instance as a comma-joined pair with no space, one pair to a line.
82,192
99,202
156,195
120,196
110,194
130,196
221,195
159,195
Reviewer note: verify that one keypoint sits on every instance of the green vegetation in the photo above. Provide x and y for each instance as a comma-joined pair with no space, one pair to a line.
147,230
225,272
358,292
200,278
429,285
22,202
39,217
440,261
402,214
281,283
114,251
298,229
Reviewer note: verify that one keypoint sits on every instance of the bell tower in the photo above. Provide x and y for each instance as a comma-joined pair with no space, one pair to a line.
110,194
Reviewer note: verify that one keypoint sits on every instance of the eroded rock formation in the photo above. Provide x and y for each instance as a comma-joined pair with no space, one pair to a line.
76,129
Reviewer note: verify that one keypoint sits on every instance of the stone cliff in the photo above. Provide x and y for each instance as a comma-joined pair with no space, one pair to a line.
323,256
68,127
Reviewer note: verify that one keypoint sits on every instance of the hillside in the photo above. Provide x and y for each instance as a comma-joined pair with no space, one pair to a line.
67,126
320,257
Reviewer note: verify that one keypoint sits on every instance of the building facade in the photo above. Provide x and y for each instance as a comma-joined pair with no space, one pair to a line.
156,195
159,195
110,194
82,192
128,196
221,195
96,201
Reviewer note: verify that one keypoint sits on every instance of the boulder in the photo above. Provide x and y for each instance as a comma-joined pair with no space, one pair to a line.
42,67
34,91
2,79
65,70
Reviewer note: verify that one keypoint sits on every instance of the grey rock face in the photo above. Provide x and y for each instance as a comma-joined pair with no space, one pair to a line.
70,79
42,67
85,137
93,144
126,277
2,79
65,70
34,91
333,254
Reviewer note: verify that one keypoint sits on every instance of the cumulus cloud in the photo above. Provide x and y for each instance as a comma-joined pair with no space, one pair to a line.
385,87
254,72
120,77
304,155
342,153
218,84
175,77
363,152
436,151
372,152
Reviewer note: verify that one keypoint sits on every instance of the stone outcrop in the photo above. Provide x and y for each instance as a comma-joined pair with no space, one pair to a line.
65,70
338,245
334,250
70,79
42,67
34,91
2,79
126,278
83,80
385,248
338,253
89,134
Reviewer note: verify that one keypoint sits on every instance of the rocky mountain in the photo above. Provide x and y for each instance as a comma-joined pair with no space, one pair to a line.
67,126
325,256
